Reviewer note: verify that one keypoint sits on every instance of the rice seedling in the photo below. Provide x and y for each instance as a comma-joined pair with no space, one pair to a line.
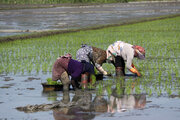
150,92
128,90
159,91
169,91
109,90
51,82
100,89
160,70
137,90
119,88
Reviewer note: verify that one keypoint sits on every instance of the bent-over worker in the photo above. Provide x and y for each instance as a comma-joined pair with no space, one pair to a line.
65,65
126,52
92,54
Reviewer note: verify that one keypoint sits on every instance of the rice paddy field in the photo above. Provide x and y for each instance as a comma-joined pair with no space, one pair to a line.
25,64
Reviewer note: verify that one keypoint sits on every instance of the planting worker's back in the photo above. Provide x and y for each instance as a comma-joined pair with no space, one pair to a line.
122,52
65,65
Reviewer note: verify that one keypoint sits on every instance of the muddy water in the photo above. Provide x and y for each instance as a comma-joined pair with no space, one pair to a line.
19,91
63,18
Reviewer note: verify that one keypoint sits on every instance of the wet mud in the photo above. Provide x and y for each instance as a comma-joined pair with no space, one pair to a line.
63,19
8,85
31,79
55,32
8,79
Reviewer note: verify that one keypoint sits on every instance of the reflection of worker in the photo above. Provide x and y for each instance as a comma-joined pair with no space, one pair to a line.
72,113
64,65
125,52
126,102
84,100
92,54
78,111
82,106
99,104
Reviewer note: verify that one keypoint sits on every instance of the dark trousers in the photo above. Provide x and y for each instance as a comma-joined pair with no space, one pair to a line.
120,66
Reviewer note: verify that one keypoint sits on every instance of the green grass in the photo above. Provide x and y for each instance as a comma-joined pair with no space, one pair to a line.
161,40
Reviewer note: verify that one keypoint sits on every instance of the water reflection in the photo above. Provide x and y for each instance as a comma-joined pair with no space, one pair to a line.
81,109
87,104
126,102
85,107
120,102
74,113
51,95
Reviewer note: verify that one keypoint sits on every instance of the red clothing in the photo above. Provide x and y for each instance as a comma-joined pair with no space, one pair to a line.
60,66
73,67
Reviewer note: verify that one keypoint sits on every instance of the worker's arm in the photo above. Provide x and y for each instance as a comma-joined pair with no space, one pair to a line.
100,69
98,60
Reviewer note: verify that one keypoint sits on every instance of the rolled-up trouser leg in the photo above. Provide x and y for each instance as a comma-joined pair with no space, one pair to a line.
120,66
84,80
65,81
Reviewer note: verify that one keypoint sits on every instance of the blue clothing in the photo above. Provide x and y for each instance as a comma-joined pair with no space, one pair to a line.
75,68
87,67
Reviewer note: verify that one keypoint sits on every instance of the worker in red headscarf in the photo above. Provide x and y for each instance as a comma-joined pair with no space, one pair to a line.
121,52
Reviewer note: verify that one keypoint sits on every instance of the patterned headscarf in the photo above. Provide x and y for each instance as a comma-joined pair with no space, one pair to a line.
140,51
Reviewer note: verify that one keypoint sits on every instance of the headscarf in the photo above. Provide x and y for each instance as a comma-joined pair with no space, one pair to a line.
140,51
67,55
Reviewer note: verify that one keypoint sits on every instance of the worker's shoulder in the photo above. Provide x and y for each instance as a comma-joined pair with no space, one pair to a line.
128,46
95,49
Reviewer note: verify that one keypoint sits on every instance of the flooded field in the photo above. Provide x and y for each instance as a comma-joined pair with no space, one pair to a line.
18,21
22,91
25,64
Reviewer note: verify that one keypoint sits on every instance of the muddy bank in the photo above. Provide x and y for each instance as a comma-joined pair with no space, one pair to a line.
32,6
14,7
67,18
54,32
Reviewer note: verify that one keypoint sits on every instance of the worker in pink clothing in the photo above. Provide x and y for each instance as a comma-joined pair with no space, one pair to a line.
65,66
121,52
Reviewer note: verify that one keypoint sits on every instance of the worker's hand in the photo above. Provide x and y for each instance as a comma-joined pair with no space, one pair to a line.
105,73
101,70
109,74
138,74
135,71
